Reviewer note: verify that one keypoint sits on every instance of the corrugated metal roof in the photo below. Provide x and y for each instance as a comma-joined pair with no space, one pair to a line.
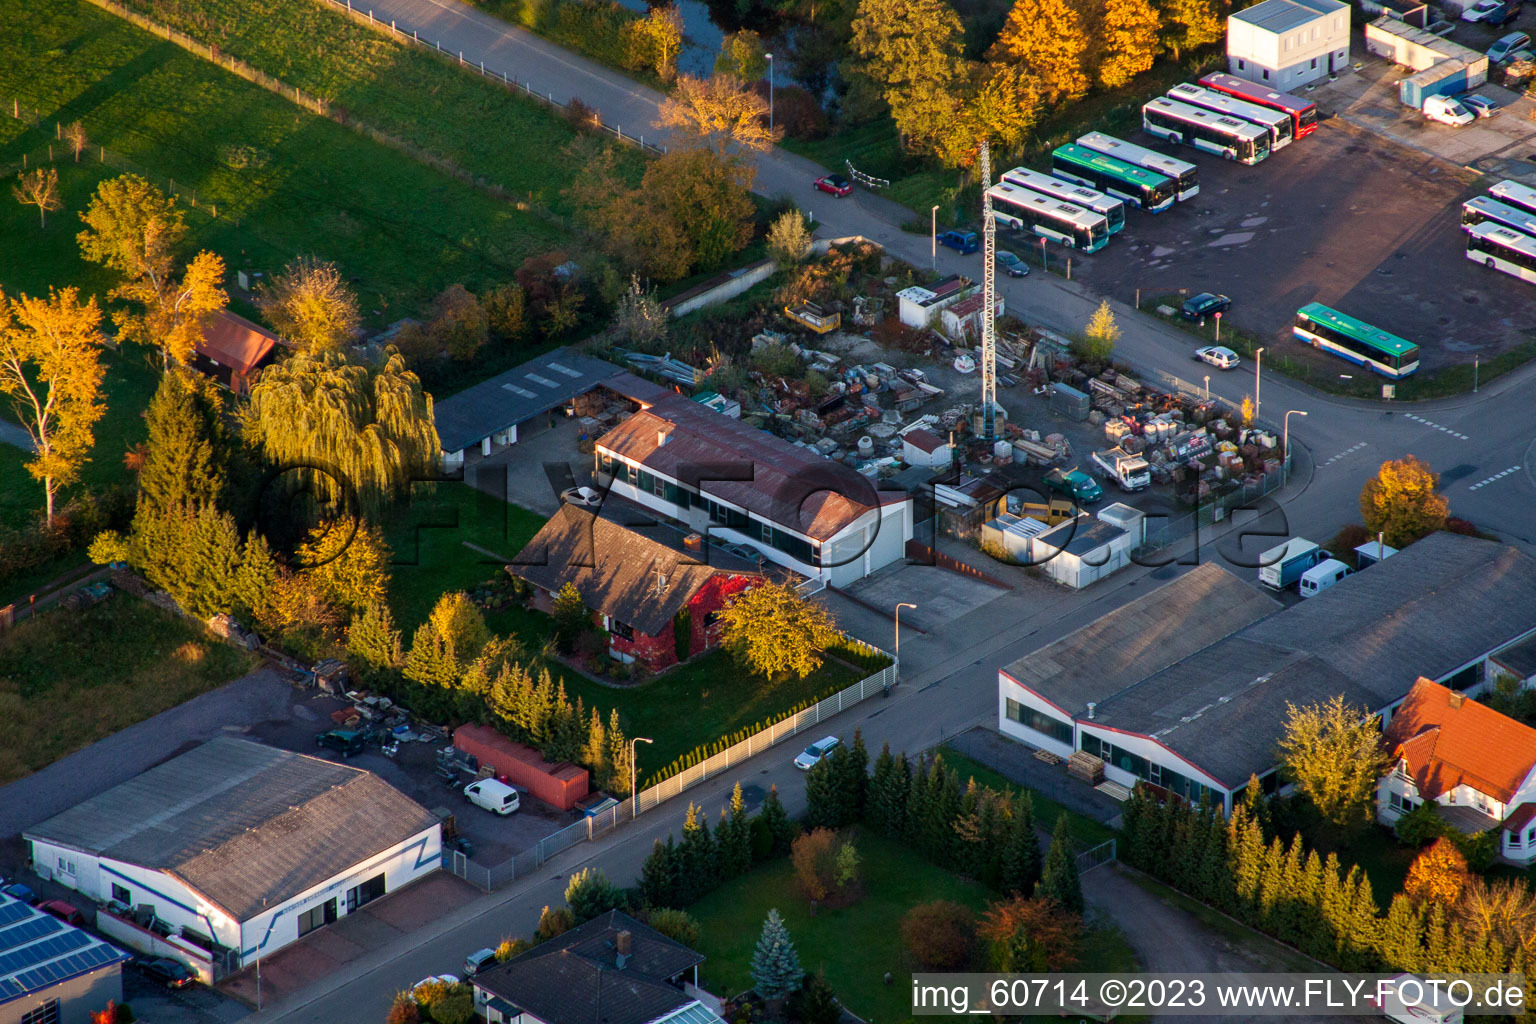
243,824
1283,15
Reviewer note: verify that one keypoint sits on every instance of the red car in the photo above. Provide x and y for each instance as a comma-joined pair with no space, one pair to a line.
836,184
64,912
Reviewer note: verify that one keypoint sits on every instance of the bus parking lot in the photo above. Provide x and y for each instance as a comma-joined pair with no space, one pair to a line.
1342,217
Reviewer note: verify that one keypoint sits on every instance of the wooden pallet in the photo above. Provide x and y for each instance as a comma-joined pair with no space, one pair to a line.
1047,757
1085,766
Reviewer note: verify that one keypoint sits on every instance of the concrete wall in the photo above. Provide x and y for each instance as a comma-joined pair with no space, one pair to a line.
143,940
78,997
719,289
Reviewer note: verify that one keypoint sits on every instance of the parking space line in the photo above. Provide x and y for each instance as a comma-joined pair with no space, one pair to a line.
1432,423
1496,476
1345,452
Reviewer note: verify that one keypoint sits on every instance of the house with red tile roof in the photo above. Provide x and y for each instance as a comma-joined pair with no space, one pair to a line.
1476,765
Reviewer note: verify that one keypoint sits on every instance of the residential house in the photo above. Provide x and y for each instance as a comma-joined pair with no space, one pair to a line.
1286,44
52,972
609,970
1476,765
232,350
729,481
644,580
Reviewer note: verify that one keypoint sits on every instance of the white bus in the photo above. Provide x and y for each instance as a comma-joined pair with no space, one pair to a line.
1020,209
1112,209
1205,129
1186,175
1499,248
1483,209
1278,123
1512,193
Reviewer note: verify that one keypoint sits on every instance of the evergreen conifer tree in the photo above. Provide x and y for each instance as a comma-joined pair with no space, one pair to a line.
1401,943
878,807
1270,889
659,875
595,752
855,780
916,805
1365,925
619,768
251,592
373,642
735,838
776,971
185,453
1020,868
1133,826
1059,879
777,821
699,861
823,796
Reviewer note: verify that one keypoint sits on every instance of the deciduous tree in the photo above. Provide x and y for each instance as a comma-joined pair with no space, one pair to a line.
74,135
1049,42
50,368
1029,935
912,51
1503,909
652,43
1191,24
1438,875
940,935
789,239
38,187
639,317
1332,751
775,632
459,326
718,113
1128,36
310,304
710,196
814,855
743,55
677,925
1401,501
1099,337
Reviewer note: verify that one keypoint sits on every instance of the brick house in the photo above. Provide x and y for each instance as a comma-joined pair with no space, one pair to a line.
638,576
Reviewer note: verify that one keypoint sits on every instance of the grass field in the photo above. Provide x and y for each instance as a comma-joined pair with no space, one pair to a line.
124,661
518,143
285,181
854,945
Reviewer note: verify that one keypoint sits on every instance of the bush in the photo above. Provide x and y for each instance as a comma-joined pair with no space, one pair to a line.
1420,826
454,1008
1480,850
795,110
1347,539
940,935
815,1003
677,925
815,858
554,922
403,1011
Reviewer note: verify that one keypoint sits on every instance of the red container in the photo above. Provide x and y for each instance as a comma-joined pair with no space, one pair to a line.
561,785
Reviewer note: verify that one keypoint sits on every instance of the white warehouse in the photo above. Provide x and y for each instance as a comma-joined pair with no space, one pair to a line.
1285,44
234,850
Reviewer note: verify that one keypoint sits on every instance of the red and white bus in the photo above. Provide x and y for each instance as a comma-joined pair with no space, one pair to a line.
1303,113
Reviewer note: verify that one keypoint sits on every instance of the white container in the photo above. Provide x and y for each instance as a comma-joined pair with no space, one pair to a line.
1002,450
866,445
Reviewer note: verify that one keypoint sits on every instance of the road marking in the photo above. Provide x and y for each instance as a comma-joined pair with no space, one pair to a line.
1344,453
1496,476
1432,423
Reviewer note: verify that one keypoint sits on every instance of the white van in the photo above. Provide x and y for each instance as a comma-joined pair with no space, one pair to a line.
1322,576
496,797
1447,110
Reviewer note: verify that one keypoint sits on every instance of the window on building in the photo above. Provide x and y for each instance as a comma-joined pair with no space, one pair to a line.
66,865
1266,74
122,895
48,1013
605,464
1242,65
1513,840
1314,63
647,481
622,630
1044,724
1398,802
314,917
366,892
1530,835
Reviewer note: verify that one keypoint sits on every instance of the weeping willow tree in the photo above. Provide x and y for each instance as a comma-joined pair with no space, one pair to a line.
338,424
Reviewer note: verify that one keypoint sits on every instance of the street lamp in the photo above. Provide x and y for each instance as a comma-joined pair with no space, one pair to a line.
770,92
634,798
1258,364
1207,387
1285,443
899,607
933,241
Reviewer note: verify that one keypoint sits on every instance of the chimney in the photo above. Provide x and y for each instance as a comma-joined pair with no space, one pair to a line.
663,435
621,946
1092,707
1457,698
694,541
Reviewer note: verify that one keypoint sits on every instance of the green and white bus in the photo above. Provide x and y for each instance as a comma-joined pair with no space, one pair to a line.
1186,174
1149,190
1019,209
1498,248
1355,340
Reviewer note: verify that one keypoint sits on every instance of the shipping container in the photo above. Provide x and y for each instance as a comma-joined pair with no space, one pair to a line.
1447,78
561,785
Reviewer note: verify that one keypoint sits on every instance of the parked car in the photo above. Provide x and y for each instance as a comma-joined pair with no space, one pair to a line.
1010,264
1446,110
1505,48
812,755
1481,106
346,742
168,972
21,892
1218,356
494,796
582,497
1075,484
478,961
963,242
1482,10
836,184
436,979
65,912
1203,305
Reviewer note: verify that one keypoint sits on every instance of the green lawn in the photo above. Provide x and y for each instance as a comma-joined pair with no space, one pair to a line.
124,660
452,112
855,945
1085,831
284,181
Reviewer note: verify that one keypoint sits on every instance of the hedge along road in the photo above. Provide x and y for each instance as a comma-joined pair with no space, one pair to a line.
1498,425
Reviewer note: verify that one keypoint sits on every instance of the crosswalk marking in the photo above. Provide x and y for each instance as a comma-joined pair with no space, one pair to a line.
1496,476
1346,452
1432,423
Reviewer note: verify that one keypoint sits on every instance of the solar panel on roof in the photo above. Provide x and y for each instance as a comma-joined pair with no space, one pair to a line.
35,953
520,391
540,380
558,368
36,928
11,912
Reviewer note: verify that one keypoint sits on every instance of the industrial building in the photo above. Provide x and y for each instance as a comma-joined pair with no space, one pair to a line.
1440,67
1285,44
234,850
1186,688
52,972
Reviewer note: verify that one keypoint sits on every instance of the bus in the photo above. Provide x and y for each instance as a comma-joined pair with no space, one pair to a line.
1184,174
1278,124
1020,209
1149,190
1205,129
1482,209
1109,207
1303,113
1499,248
1512,193
1355,340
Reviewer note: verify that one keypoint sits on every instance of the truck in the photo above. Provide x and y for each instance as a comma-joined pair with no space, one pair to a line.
1131,472
1075,484
1284,564
1051,512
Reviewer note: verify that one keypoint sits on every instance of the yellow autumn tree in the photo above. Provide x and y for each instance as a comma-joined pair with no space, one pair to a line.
912,51
1332,752
1191,24
718,113
1047,39
1001,103
51,371
1097,345
773,631
1128,37
1438,875
1401,501
653,42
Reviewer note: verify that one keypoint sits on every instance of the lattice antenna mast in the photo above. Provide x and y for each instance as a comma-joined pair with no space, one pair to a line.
989,302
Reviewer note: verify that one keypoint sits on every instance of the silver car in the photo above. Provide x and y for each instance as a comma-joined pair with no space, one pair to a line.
812,755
